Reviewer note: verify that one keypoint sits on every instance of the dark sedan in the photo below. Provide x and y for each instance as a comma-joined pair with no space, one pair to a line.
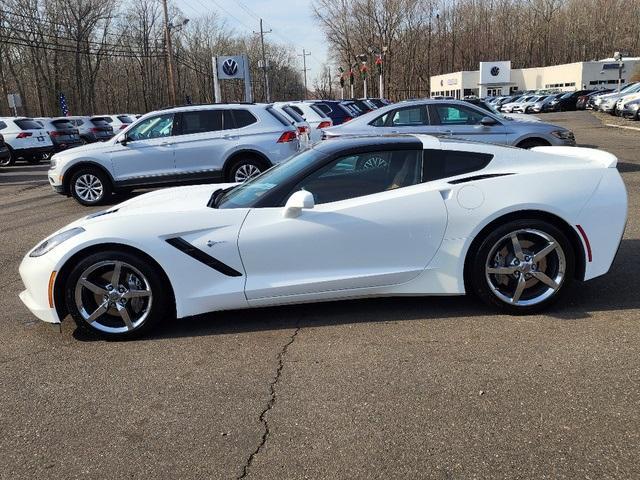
567,101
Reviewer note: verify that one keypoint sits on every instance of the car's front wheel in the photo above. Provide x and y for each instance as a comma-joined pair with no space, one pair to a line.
90,187
523,266
117,295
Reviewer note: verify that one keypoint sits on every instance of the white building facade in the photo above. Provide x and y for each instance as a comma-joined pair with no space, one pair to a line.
498,78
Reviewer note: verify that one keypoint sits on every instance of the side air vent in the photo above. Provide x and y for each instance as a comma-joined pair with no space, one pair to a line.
478,177
185,247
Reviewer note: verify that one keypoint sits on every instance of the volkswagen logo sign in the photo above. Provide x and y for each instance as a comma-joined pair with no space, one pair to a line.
495,71
230,67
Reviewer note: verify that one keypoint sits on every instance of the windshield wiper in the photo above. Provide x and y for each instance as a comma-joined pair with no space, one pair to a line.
216,196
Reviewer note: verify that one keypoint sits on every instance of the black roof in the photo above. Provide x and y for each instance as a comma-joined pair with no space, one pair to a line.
341,144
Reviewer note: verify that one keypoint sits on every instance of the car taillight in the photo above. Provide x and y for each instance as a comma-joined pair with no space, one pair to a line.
347,119
54,134
288,136
123,126
325,124
24,135
96,130
303,129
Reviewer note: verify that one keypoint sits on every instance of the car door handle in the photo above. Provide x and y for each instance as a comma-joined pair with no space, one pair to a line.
166,144
447,132
230,137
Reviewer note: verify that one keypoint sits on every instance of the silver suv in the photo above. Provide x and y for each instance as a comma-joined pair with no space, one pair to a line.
192,144
455,119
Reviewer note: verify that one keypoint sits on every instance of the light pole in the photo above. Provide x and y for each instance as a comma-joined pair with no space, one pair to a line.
265,75
181,22
304,56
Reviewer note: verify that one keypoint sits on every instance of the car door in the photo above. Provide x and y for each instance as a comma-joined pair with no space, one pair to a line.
363,232
412,119
203,140
465,122
146,155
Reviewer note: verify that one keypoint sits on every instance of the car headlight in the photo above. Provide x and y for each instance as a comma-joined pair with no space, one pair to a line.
563,134
53,161
54,241
633,106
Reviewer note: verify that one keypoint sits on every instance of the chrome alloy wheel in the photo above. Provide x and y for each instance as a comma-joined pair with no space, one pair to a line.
525,267
245,172
374,162
113,296
89,187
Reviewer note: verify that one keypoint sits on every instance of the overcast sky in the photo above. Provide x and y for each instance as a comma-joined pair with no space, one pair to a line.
291,21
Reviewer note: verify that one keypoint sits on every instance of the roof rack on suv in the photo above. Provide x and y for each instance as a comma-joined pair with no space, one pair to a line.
205,105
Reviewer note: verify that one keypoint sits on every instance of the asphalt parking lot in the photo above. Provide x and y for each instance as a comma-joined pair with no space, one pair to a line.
393,388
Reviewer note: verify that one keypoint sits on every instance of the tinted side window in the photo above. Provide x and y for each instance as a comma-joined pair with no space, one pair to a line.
278,116
243,118
153,127
227,120
292,113
364,174
3,125
298,111
201,121
449,163
455,115
28,124
324,107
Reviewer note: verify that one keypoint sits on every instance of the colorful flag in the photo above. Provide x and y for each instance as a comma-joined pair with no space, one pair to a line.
63,105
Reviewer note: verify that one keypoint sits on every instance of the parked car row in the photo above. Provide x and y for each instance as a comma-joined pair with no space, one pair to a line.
624,103
36,139
539,102
194,144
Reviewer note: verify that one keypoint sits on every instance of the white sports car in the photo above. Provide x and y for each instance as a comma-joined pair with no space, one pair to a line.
349,218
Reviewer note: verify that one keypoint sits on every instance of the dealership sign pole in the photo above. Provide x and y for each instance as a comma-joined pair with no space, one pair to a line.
232,68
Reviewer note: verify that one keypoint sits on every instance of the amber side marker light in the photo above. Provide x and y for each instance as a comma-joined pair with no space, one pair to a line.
52,281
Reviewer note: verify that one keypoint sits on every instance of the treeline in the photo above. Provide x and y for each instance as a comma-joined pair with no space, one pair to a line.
109,56
430,37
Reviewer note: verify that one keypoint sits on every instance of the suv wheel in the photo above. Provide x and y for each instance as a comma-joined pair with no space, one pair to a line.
244,169
10,160
89,186
523,266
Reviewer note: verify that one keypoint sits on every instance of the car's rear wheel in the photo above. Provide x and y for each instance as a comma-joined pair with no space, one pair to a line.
245,168
523,266
10,160
116,295
89,186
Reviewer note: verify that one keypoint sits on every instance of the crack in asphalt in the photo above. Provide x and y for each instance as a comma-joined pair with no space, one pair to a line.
270,404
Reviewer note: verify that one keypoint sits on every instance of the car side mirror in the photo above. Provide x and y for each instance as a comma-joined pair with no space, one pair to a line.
488,121
298,201
124,140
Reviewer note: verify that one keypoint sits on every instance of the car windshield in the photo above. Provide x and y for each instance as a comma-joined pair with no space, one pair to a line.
494,110
249,193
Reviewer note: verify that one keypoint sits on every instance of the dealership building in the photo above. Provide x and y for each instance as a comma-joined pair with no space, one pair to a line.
498,78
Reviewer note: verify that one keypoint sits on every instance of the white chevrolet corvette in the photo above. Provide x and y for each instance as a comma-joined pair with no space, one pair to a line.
359,217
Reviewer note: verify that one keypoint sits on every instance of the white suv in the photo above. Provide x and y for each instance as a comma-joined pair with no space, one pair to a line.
26,139
191,144
313,115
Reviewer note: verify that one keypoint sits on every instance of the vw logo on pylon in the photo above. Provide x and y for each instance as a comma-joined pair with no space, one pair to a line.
230,67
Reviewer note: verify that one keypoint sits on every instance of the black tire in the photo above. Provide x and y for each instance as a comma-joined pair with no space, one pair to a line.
153,309
82,178
244,168
558,266
11,160
533,142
